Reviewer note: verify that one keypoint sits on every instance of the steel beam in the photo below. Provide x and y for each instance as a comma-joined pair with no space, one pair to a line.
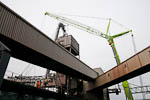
134,66
4,59
29,44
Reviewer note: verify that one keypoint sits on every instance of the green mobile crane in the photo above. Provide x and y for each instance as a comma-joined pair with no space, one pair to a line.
96,32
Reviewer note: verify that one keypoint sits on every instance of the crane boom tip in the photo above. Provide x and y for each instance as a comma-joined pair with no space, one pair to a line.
46,13
130,30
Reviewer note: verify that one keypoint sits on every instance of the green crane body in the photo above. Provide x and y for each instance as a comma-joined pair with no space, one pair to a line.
111,43
96,32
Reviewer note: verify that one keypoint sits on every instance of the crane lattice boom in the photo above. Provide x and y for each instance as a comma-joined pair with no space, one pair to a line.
78,25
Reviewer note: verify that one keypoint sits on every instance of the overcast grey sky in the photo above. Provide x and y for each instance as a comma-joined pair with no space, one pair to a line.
95,51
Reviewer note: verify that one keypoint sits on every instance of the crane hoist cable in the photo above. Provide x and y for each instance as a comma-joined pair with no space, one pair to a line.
133,42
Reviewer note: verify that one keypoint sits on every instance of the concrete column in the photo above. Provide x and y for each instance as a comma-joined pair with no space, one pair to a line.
100,94
4,59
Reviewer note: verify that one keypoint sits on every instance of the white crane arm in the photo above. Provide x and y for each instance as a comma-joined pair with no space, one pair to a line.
78,25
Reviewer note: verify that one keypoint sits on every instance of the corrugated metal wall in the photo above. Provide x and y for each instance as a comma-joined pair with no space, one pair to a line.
7,21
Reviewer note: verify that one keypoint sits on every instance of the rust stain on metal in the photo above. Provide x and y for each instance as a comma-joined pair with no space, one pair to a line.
133,63
145,57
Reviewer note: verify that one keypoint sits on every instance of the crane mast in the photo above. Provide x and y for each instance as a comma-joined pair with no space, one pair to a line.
96,32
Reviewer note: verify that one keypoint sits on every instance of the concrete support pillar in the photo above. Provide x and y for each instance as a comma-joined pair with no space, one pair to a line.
4,59
99,94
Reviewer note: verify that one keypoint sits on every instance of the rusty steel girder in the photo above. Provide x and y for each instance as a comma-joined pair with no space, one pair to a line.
134,66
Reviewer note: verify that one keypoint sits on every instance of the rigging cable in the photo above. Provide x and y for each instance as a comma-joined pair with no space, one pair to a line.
140,77
85,16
